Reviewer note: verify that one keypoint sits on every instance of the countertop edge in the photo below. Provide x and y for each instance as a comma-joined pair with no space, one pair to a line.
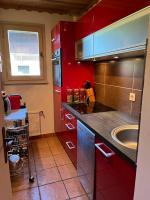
116,147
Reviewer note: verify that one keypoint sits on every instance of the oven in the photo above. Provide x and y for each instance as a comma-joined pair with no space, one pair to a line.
57,69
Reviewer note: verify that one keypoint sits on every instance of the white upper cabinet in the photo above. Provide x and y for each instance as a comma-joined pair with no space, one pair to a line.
122,37
84,47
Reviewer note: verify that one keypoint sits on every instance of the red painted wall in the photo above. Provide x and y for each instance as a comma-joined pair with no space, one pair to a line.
105,13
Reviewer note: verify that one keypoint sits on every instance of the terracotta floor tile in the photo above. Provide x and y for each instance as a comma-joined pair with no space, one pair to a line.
39,145
67,171
84,197
36,148
44,163
74,187
62,159
57,149
21,182
53,141
48,176
30,194
44,152
54,191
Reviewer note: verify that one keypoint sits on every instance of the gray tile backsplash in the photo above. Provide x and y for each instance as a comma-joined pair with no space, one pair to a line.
115,80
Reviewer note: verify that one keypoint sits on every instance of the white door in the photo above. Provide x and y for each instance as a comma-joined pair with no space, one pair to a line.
5,185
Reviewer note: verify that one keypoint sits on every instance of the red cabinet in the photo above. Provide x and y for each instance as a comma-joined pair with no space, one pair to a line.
55,37
105,13
115,176
73,73
68,137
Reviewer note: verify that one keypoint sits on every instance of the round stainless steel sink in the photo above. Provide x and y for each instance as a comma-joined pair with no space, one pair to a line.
126,135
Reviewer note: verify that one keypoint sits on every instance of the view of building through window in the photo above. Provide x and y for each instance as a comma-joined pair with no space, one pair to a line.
24,53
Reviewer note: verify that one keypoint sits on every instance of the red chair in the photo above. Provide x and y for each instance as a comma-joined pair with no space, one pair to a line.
15,101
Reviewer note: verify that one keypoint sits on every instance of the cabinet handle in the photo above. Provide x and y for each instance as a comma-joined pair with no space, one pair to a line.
70,145
69,116
70,127
106,154
4,144
53,59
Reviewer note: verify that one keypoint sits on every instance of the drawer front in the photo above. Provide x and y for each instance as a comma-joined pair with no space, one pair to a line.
69,118
69,136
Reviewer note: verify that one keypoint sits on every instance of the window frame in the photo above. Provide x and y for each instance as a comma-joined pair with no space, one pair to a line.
8,78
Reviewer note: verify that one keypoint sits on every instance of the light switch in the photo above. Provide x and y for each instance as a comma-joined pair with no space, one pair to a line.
132,96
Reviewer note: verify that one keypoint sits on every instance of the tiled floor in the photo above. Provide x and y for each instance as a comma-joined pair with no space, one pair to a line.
55,176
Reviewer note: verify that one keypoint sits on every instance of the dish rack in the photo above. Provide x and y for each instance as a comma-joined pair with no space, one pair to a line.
17,146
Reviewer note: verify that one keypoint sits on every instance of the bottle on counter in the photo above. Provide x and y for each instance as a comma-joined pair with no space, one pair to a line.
69,95
76,96
82,95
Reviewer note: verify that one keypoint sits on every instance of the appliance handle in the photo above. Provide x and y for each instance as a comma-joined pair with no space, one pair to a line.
53,39
107,155
58,91
53,59
70,145
4,144
70,127
69,116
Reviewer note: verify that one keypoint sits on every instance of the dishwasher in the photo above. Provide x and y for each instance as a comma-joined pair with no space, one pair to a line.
86,158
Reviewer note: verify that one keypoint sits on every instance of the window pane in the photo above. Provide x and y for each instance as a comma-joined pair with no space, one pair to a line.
24,53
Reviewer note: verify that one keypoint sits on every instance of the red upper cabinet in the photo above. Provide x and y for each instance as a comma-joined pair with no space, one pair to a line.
85,25
67,41
55,37
105,13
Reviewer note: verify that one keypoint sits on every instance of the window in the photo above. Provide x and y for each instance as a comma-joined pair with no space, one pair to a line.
24,53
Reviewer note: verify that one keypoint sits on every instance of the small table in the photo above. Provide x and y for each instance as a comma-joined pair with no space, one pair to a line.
16,115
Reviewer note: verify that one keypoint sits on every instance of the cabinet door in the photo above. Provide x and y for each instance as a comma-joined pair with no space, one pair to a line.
55,37
122,37
5,186
115,176
84,47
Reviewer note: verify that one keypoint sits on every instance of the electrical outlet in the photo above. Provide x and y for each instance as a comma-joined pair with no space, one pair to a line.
132,96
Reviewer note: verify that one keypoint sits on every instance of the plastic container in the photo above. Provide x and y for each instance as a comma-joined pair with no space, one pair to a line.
82,95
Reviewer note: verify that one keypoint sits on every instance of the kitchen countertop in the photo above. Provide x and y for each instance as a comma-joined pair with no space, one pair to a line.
102,124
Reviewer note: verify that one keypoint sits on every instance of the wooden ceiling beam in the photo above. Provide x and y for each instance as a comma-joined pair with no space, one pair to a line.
41,9
44,3
75,2
72,7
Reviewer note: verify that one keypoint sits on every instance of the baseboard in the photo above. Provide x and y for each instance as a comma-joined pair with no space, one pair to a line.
34,137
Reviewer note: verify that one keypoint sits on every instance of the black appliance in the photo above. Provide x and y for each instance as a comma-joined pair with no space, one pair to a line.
92,107
57,70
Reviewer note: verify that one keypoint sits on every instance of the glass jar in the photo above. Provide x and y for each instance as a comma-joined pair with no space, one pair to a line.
82,95
69,95
76,96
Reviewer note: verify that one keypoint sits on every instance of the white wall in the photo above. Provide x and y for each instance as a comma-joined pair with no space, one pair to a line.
37,97
142,186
